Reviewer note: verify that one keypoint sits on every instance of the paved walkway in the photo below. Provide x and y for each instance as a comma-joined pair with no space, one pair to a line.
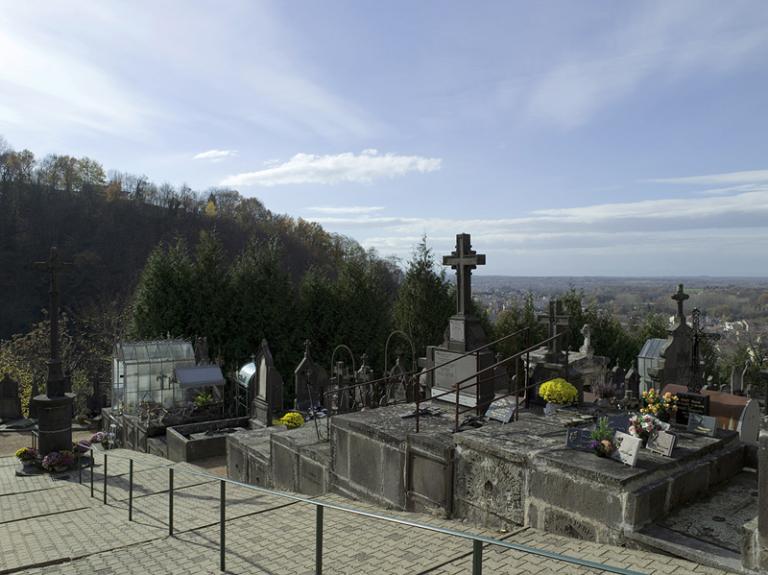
53,526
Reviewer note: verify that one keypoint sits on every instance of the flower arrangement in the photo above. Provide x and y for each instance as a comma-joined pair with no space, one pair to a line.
81,446
291,420
660,406
645,425
602,438
558,391
58,460
97,437
25,454
203,399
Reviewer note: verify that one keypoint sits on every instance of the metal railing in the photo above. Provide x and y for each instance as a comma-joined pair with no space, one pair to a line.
478,541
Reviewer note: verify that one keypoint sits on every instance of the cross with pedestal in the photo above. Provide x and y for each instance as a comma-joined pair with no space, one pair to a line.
680,297
556,318
463,260
54,408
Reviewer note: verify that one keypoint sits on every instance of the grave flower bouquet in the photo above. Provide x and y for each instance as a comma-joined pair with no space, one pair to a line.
558,391
645,425
657,405
26,454
291,420
58,460
602,438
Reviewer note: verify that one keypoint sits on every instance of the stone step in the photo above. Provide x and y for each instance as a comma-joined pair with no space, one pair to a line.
661,539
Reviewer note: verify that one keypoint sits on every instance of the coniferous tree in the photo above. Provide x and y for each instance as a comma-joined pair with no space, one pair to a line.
425,300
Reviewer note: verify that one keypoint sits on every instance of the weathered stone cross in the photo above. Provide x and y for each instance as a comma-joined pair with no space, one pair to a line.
680,297
463,260
55,385
556,318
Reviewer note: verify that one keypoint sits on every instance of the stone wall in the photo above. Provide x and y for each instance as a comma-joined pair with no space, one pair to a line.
183,448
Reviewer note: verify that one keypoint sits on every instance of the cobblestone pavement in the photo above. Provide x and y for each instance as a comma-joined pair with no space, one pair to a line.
54,526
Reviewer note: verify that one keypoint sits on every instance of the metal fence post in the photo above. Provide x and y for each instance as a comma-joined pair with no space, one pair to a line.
130,490
79,469
222,525
91,466
105,479
477,557
170,501
319,540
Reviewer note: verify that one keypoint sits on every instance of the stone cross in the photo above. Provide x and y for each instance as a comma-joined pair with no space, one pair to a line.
680,297
556,318
53,266
586,347
463,260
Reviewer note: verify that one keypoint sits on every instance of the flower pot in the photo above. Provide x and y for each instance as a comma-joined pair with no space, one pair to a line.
551,409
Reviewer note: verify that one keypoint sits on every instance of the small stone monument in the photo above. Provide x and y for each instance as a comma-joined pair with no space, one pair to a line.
268,391
464,334
54,408
676,353
310,381
10,402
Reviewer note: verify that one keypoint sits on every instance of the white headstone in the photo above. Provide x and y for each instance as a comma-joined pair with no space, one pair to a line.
749,423
627,448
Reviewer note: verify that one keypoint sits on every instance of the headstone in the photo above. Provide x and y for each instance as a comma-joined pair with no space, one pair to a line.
202,356
617,375
627,448
367,396
702,424
10,402
586,347
749,423
619,422
737,380
662,442
397,383
674,365
456,362
310,381
268,389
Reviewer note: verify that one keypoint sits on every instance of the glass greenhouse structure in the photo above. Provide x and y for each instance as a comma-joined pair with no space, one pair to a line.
144,371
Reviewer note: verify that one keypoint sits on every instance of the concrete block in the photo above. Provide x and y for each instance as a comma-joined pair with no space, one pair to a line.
312,477
285,464
646,504
365,462
259,471
689,485
237,463
587,498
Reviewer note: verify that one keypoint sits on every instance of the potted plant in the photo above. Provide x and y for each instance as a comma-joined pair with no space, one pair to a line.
291,420
27,455
557,392
602,438
659,406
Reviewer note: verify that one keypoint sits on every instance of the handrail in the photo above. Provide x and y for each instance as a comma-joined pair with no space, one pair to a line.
477,539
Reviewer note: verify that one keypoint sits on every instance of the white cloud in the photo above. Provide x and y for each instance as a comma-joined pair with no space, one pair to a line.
345,209
747,177
215,155
665,42
365,167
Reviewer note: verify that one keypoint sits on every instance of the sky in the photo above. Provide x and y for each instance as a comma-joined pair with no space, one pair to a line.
568,138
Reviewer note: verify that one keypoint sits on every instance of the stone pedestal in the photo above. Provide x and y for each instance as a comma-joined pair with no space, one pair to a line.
54,422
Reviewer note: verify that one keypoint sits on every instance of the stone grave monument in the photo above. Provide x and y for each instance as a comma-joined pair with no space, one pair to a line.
310,381
54,407
10,402
268,391
464,334
676,353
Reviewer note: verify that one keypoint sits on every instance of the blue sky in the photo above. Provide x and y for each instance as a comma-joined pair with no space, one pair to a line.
569,138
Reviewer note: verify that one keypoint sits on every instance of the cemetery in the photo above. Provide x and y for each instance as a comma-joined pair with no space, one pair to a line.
548,438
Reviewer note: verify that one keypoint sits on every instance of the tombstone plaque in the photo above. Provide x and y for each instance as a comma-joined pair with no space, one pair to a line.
578,438
619,422
627,448
662,442
691,403
502,410
702,424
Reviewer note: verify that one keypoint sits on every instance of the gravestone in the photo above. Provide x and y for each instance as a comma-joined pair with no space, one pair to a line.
578,438
10,402
310,381
702,424
749,423
456,361
627,448
268,391
662,442
691,403
397,383
674,365
202,357
54,407
503,409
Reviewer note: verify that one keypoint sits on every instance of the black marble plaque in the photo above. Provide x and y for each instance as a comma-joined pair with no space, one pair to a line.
691,403
619,422
578,438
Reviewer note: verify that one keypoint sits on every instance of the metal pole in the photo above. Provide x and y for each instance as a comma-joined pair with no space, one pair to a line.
105,479
130,490
79,469
170,501
417,393
456,425
222,524
319,540
477,557
91,467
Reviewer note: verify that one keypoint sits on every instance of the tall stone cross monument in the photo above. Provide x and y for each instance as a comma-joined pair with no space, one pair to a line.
459,351
680,297
54,407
